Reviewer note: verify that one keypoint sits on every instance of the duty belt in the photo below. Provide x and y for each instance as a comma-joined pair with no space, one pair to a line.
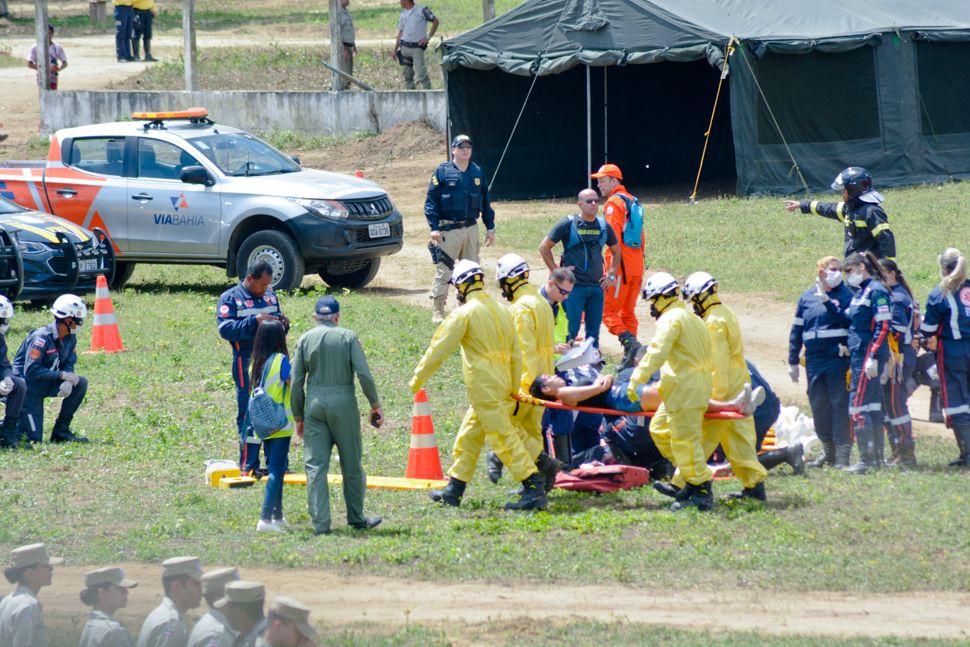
448,225
405,43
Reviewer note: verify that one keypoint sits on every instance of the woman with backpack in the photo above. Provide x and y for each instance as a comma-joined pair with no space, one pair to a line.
271,372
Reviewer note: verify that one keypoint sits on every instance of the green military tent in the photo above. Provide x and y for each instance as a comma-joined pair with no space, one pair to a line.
552,88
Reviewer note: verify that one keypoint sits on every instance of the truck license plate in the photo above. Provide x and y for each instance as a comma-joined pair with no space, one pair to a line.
88,265
380,230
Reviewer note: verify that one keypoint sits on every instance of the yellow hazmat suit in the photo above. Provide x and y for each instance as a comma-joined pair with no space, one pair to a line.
535,326
681,349
492,366
737,437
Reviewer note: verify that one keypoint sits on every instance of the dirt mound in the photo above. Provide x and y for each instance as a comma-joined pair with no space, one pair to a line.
406,142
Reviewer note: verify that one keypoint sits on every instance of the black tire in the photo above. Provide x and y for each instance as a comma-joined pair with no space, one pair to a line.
280,251
356,279
122,274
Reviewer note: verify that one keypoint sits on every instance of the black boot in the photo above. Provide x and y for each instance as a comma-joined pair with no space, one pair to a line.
666,489
563,448
134,49
757,492
694,496
62,434
773,459
827,457
148,51
630,348
493,465
843,453
451,494
936,406
533,495
963,442
548,467
867,451
10,437
907,453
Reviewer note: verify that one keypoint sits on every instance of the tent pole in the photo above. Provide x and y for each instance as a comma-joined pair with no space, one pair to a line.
606,118
589,132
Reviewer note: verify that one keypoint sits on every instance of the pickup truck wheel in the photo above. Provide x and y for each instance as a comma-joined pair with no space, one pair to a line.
356,279
123,272
277,249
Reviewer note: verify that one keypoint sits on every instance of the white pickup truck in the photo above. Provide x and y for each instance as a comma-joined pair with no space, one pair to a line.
177,188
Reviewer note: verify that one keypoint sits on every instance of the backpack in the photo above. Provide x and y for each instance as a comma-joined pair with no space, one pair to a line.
575,240
633,229
266,416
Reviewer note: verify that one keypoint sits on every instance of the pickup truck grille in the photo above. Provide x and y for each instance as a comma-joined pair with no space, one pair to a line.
369,208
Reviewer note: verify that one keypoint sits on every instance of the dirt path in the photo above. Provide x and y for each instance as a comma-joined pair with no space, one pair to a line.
343,601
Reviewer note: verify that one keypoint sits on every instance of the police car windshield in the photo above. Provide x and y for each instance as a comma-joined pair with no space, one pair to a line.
241,154
9,207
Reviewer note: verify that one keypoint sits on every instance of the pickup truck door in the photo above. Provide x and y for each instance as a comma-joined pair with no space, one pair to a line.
89,188
168,217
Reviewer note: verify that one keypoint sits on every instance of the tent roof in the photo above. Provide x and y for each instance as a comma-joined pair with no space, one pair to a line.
615,32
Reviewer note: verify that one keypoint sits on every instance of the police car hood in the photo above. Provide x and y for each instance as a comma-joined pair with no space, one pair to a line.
308,183
40,227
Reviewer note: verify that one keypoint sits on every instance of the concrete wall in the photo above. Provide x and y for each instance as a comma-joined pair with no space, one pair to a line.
305,113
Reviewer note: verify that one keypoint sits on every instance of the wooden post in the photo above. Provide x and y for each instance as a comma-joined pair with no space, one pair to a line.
488,10
43,51
336,45
188,43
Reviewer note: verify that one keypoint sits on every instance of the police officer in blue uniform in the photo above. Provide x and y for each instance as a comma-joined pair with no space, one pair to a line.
824,335
240,310
901,383
866,224
46,361
457,196
11,387
946,320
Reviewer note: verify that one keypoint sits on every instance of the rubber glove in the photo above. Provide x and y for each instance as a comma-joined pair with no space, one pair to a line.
820,291
793,372
872,368
415,387
65,390
843,350
73,378
631,392
6,386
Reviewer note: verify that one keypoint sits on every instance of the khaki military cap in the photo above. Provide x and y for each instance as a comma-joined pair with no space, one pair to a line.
190,566
216,580
31,556
241,591
295,612
108,575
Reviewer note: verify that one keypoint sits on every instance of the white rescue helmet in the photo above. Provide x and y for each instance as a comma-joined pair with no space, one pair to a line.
464,271
6,309
69,305
698,283
660,284
510,266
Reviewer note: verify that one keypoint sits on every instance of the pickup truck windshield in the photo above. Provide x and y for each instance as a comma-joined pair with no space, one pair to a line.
241,154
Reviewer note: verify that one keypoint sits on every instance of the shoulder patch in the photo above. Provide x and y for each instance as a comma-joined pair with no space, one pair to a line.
434,179
478,181
40,342
34,353
609,210
224,310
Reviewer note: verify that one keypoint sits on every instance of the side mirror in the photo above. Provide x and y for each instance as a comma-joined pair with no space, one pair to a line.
196,175
296,158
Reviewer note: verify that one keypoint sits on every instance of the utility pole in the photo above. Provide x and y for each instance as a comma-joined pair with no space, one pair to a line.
488,10
188,43
336,45
43,50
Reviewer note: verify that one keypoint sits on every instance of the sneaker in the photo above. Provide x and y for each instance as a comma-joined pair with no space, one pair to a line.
367,523
268,526
282,523
743,400
758,397
67,436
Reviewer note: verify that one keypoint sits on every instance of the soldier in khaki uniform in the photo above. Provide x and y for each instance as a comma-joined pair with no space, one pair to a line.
182,583
21,614
325,412
288,625
208,631
242,606
106,591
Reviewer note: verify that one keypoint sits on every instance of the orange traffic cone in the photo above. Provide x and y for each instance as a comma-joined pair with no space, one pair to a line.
105,335
423,459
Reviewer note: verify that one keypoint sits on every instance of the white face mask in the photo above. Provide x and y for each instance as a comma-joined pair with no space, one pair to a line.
833,278
855,279
4,328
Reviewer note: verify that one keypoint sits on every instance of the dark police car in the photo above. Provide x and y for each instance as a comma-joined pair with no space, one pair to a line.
43,256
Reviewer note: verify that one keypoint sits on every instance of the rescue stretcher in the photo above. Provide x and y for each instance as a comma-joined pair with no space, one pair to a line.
553,404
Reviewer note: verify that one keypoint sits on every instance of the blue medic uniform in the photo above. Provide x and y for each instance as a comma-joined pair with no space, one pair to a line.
40,360
768,411
896,391
236,317
9,435
824,334
456,198
866,225
947,317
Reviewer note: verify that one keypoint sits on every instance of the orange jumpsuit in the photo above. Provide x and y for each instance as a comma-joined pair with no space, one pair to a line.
620,300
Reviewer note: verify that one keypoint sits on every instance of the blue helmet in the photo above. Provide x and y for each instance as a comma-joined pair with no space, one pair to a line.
857,181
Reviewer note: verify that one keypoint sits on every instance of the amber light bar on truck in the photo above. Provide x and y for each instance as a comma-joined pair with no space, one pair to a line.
191,113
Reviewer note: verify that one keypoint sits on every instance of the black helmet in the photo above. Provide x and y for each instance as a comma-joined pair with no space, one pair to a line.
855,179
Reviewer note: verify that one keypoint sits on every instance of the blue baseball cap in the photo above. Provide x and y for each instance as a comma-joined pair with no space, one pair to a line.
460,139
327,305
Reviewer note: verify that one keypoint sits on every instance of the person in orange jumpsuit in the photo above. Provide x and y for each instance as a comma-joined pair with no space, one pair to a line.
619,305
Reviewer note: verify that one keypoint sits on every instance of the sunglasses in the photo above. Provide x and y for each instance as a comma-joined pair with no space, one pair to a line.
464,146
565,292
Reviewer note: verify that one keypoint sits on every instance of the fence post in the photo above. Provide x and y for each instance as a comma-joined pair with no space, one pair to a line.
188,44
488,10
